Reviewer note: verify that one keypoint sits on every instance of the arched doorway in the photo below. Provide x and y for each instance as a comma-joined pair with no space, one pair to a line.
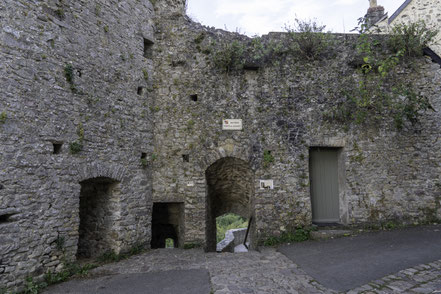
99,217
230,188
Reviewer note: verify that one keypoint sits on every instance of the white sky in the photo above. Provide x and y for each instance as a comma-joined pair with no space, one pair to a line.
253,17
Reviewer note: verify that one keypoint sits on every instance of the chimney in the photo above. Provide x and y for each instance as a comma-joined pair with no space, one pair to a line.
374,13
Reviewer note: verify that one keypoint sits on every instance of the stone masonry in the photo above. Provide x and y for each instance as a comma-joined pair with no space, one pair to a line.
105,108
108,107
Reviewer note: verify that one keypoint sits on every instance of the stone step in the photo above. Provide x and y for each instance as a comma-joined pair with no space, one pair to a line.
329,234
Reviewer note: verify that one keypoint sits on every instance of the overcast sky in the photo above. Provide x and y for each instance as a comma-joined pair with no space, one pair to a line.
259,17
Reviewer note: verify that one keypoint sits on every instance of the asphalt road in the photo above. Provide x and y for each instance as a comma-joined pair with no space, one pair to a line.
165,282
346,263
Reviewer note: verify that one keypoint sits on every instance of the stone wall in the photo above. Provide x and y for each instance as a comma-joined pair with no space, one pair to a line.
71,73
128,94
385,174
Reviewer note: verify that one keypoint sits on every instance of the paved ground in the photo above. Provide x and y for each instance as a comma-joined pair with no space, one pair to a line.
268,271
175,281
346,263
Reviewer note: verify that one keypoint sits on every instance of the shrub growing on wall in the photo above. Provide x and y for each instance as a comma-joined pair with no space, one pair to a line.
411,38
309,39
379,90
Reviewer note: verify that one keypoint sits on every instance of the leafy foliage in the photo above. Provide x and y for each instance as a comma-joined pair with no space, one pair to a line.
192,245
112,256
70,269
380,90
75,147
268,158
411,38
300,234
3,117
69,75
31,287
230,57
309,39
227,222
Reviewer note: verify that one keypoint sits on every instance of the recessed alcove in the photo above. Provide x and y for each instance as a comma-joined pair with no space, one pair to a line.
194,97
140,90
148,48
57,147
5,218
186,157
251,67
99,217
167,223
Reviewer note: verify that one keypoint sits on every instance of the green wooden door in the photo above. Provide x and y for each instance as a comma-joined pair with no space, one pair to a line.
323,174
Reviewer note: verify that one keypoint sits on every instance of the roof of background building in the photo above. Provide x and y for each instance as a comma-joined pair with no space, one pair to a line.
398,11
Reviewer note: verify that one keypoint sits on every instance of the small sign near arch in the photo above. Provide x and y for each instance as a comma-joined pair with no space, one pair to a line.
266,184
232,124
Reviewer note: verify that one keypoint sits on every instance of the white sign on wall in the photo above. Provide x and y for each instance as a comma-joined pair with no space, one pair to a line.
232,124
266,184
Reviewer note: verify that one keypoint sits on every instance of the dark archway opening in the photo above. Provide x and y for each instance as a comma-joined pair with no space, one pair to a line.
230,189
167,220
99,217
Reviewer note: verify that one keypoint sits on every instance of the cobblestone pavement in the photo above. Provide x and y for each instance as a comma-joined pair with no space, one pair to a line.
267,271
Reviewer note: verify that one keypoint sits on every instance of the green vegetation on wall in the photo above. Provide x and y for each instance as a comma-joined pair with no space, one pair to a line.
381,90
309,40
227,222
76,146
3,117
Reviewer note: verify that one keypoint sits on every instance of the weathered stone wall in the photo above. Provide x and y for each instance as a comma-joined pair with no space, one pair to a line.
98,47
84,75
385,174
428,11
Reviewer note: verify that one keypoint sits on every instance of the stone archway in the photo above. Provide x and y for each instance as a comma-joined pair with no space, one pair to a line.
99,217
230,188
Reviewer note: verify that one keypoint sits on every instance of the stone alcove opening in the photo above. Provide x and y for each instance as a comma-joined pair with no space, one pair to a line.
230,189
56,147
167,223
6,218
148,48
99,217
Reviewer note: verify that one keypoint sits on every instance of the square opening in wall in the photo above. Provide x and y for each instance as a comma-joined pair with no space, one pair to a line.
167,223
186,157
251,67
5,218
194,97
148,48
140,90
57,148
